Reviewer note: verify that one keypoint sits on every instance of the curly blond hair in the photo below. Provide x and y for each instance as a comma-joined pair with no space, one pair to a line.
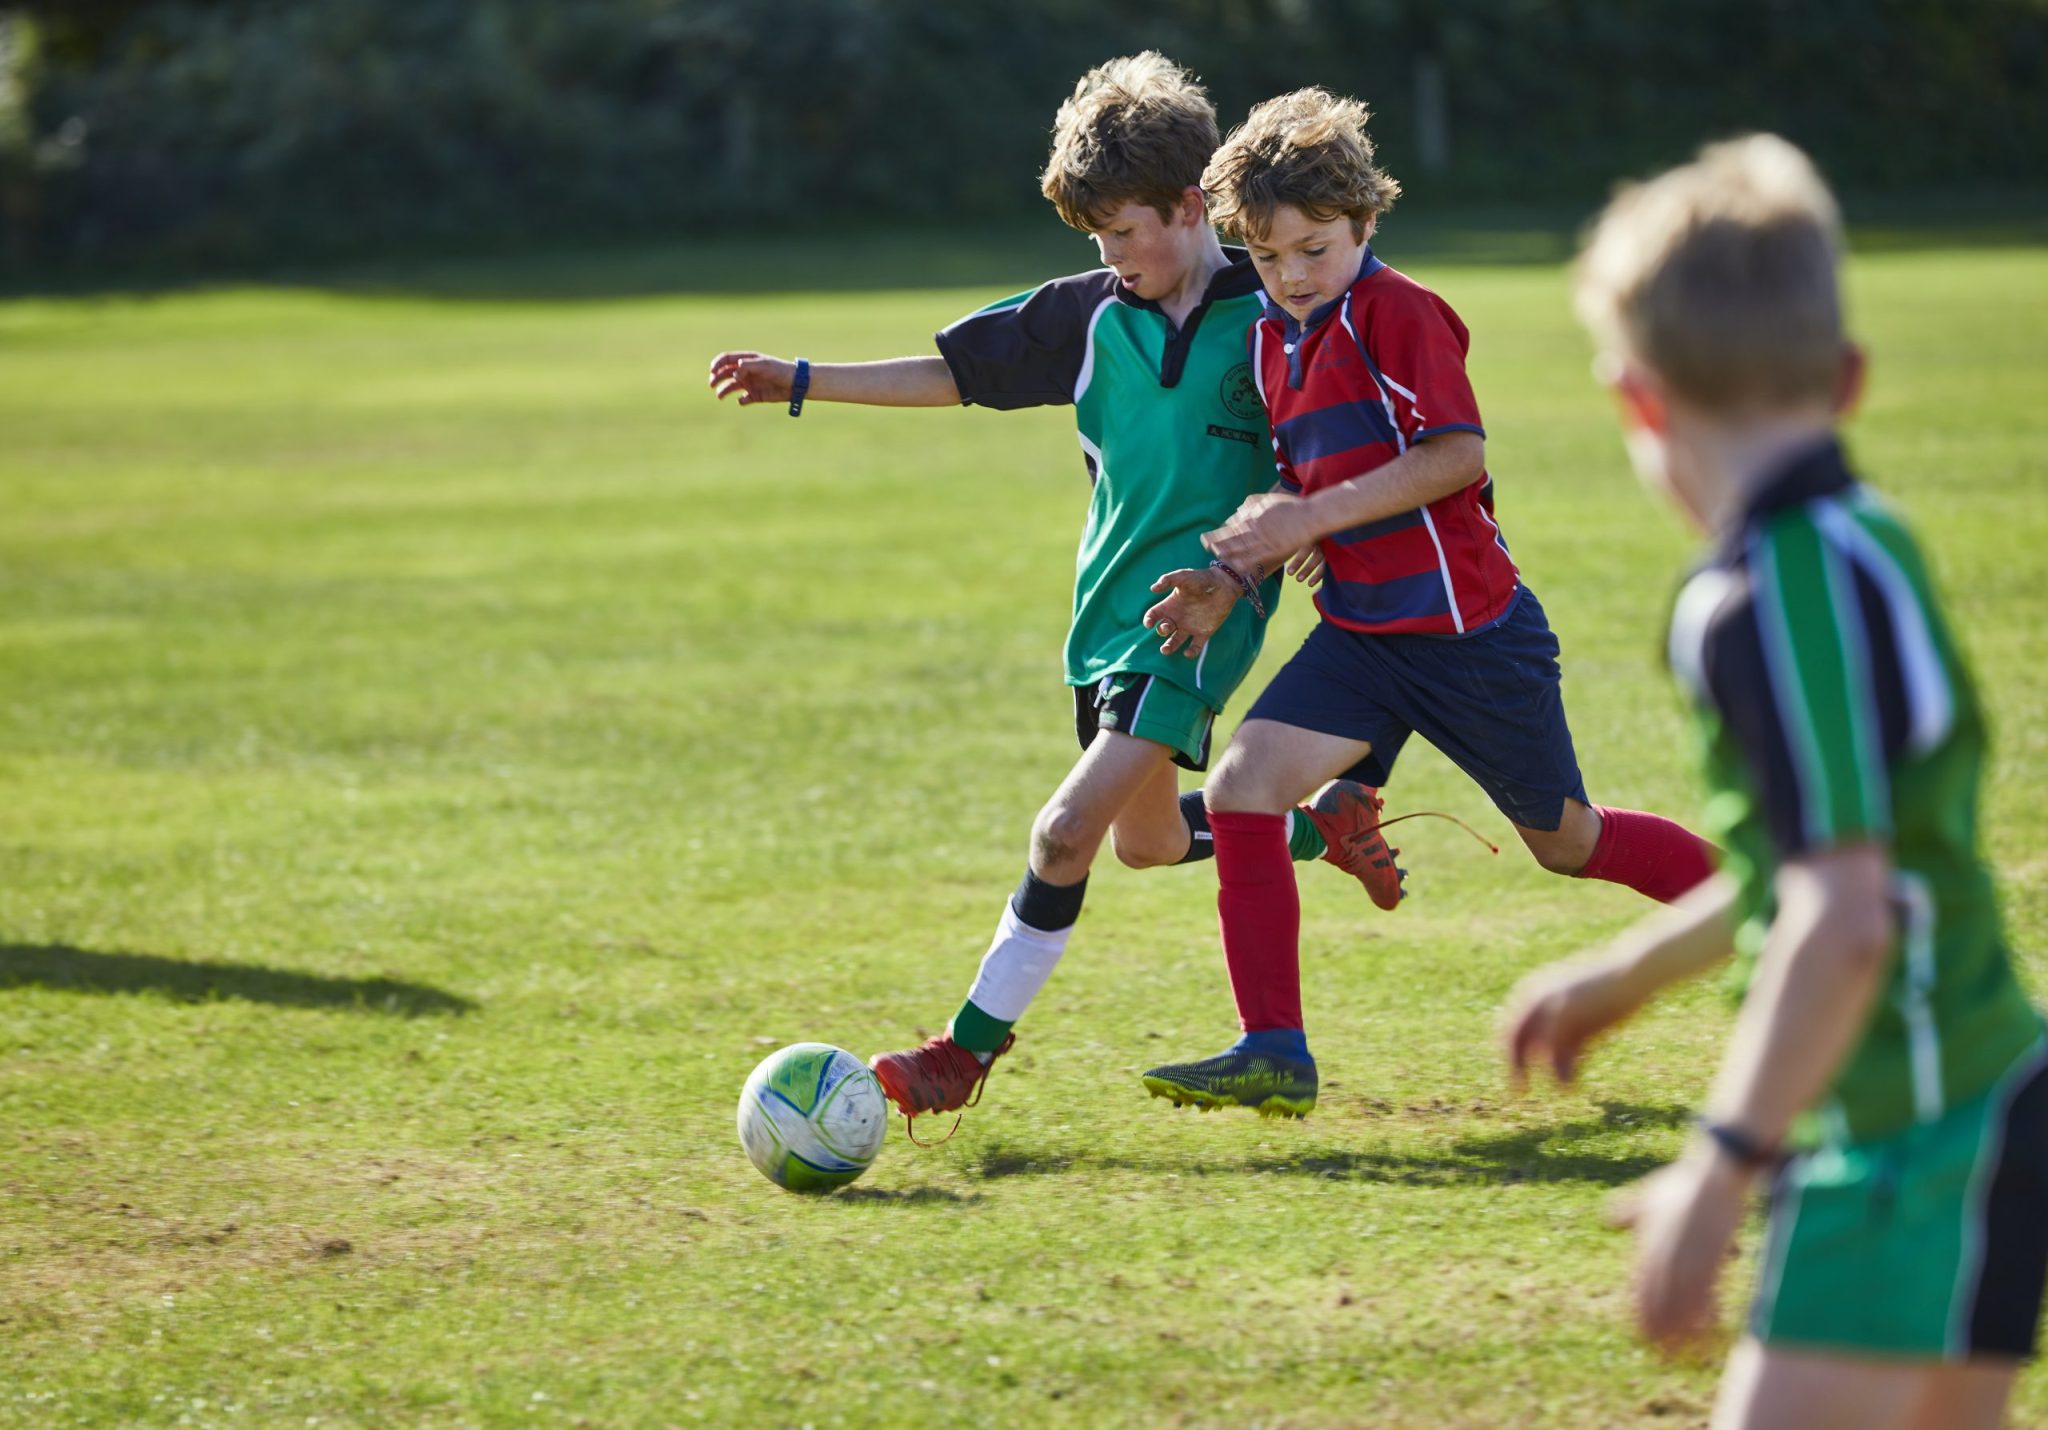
1135,130
1721,277
1308,149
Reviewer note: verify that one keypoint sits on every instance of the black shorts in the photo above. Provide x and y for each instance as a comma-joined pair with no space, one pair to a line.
1133,703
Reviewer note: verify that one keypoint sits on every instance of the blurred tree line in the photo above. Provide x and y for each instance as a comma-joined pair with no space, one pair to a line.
231,131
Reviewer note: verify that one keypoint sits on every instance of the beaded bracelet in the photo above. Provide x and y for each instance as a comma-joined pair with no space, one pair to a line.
1245,584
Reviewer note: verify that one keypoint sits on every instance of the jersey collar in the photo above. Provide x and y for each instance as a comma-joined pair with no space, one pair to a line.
1817,471
1820,470
1234,279
1292,331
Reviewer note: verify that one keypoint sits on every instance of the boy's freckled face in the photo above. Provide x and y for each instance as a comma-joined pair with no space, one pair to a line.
1150,254
1306,261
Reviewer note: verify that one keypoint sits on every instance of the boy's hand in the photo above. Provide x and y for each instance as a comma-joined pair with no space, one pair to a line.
1306,565
1263,532
1199,604
1556,1011
756,377
1684,1217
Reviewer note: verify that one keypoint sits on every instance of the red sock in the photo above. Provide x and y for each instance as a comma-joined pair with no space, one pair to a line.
1649,853
1260,910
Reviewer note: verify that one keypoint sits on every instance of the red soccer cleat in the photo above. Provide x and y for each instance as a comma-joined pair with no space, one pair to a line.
940,1076
1347,815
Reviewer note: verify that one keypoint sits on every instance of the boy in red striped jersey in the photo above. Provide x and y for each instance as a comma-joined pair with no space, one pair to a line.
1150,351
1426,626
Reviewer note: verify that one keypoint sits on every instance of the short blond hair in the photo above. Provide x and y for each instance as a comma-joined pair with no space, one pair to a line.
1721,277
1308,149
1135,130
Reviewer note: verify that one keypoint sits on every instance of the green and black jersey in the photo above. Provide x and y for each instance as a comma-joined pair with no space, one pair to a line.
1173,435
1836,710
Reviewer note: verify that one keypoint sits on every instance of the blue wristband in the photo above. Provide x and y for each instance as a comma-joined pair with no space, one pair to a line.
1738,1146
799,387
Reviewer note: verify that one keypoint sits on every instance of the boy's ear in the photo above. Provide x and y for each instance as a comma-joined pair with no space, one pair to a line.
1850,376
1194,205
1642,399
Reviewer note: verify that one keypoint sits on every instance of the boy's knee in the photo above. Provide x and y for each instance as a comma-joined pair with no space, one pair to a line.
1566,849
1239,786
1062,835
1141,852
1556,858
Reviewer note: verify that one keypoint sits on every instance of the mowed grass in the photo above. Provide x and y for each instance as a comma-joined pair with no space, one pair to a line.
442,751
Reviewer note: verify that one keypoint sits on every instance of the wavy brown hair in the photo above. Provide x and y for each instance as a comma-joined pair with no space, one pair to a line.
1135,130
1309,149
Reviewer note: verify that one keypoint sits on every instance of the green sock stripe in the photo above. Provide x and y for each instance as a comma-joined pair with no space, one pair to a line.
975,1031
1304,840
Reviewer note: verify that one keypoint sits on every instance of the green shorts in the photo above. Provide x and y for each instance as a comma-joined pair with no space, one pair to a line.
1930,1244
1133,703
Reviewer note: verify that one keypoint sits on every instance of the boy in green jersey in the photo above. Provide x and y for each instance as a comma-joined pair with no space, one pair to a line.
1886,1063
1151,352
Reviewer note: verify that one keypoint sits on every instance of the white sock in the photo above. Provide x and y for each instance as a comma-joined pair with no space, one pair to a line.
1017,963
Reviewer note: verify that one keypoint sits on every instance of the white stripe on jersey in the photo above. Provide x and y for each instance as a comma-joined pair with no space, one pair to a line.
1443,564
1930,701
1697,603
1088,349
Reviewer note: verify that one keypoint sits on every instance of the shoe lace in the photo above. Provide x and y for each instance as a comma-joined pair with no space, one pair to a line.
910,1130
1437,814
946,1048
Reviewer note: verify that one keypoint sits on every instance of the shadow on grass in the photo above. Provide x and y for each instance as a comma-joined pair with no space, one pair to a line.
915,1196
1555,1153
78,970
1548,1153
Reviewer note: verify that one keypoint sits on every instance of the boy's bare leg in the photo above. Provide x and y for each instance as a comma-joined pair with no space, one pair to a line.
1766,1389
945,1073
1151,830
1565,849
1114,772
1970,1396
1270,767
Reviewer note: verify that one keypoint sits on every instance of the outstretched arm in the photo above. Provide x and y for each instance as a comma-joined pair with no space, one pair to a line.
1819,972
893,382
1556,1011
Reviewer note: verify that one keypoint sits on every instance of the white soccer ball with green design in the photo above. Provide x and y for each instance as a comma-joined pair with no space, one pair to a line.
812,1117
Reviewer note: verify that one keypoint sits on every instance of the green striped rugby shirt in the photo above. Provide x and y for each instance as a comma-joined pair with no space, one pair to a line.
1173,437
1835,708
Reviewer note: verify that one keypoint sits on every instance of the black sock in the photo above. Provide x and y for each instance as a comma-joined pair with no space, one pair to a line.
1200,845
1048,907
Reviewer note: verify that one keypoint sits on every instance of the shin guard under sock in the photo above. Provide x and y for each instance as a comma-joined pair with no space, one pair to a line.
1655,856
1260,911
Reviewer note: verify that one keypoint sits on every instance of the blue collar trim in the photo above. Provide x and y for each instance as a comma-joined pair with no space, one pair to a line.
1292,330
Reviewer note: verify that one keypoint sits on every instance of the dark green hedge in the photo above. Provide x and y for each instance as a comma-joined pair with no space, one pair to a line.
258,130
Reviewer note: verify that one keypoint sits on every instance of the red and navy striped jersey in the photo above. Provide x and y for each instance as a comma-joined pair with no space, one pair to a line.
1364,378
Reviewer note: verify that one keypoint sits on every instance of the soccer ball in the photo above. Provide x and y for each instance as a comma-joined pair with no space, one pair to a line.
812,1117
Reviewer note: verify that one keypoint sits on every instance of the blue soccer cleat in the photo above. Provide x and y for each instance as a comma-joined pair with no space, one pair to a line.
1270,1072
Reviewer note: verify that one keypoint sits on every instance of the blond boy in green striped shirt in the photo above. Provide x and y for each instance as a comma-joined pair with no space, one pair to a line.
1886,1065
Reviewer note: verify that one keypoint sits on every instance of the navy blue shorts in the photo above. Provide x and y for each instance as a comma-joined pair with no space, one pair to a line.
1489,701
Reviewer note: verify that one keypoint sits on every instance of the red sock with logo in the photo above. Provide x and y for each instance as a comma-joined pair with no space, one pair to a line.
1260,910
1651,854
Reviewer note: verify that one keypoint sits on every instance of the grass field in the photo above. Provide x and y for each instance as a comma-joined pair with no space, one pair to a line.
442,751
